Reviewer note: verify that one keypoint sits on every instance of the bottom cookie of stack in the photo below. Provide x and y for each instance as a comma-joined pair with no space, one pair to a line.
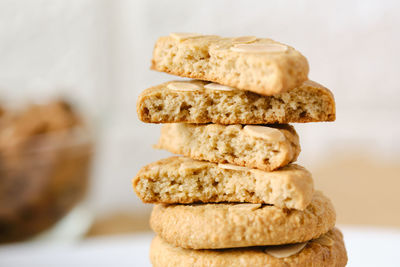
245,234
327,250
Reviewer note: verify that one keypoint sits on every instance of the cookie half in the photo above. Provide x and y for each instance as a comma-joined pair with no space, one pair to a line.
254,146
184,180
214,226
255,64
327,251
202,102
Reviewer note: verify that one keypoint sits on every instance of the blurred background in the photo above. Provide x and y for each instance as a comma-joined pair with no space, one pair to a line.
95,55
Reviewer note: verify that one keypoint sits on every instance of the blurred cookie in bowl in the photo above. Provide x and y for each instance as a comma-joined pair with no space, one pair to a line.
45,155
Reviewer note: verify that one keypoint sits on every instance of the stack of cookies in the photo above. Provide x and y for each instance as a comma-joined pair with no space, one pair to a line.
235,197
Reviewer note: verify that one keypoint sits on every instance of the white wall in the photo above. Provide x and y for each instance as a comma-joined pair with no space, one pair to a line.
98,53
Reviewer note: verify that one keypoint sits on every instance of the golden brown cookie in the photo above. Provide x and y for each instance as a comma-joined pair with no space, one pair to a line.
214,226
202,102
255,64
184,180
329,251
255,146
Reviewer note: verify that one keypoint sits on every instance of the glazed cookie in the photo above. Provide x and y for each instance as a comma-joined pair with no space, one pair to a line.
248,63
254,146
203,102
214,226
326,251
183,180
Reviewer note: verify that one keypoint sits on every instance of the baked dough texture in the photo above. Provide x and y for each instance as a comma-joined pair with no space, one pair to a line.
212,58
232,144
215,226
310,102
183,180
316,254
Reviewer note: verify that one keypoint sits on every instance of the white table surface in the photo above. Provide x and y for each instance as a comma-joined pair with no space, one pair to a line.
366,247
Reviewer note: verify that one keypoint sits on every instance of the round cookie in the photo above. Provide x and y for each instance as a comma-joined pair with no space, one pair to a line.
329,250
214,226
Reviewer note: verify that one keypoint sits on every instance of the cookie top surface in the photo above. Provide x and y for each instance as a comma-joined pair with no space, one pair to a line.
327,251
214,226
260,65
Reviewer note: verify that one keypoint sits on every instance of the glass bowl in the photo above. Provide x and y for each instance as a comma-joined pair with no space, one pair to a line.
43,176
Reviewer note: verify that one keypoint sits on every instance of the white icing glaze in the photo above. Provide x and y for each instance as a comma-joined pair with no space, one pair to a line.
220,87
259,48
284,251
183,86
264,132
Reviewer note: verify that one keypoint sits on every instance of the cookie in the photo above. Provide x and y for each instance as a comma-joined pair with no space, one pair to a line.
328,251
259,65
183,180
254,146
215,226
203,102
